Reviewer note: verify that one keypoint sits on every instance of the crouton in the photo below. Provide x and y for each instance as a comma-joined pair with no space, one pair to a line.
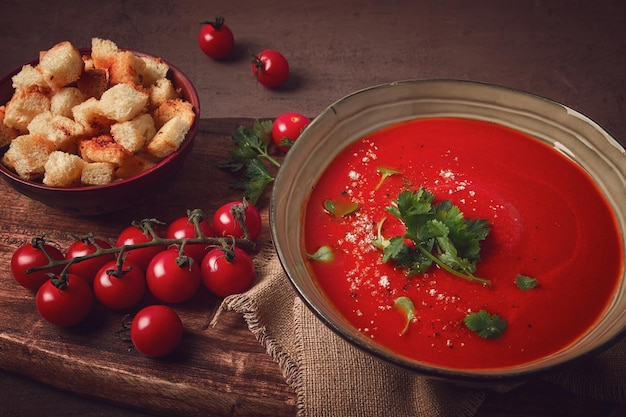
103,149
93,82
59,130
24,105
134,134
171,108
126,67
61,65
169,137
154,69
161,91
135,165
62,101
91,119
7,134
102,51
27,156
63,169
123,102
28,76
97,173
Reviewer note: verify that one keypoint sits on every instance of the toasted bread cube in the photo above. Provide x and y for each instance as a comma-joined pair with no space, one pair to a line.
98,173
102,52
59,130
93,82
154,70
134,134
169,137
126,67
24,105
27,156
161,91
103,149
7,134
123,102
64,100
89,116
135,165
28,76
61,65
63,169
171,108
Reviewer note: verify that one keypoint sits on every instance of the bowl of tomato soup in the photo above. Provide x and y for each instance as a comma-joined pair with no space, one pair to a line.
457,229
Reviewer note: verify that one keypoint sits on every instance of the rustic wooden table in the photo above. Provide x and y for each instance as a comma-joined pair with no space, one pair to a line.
570,51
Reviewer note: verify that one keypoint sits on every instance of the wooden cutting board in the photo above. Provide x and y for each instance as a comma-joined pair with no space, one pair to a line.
220,370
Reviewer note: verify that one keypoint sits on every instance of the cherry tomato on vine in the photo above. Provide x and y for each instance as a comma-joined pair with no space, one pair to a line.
31,255
172,278
141,257
119,289
64,301
89,267
227,271
182,228
288,126
225,222
270,68
156,331
216,39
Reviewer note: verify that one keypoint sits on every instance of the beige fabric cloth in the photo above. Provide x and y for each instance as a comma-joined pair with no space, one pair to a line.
333,378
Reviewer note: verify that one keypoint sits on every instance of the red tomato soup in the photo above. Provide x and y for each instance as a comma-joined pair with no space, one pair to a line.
548,221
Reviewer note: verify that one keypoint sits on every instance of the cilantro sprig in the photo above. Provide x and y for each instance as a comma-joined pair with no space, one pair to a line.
440,234
486,325
251,158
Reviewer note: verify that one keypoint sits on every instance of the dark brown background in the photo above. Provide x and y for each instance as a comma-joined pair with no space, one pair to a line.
571,51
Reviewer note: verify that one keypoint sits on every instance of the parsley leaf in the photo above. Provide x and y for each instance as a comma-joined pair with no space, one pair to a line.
407,308
340,208
248,156
324,253
488,326
525,283
440,234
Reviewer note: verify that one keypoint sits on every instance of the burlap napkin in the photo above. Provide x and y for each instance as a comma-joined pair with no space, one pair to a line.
333,378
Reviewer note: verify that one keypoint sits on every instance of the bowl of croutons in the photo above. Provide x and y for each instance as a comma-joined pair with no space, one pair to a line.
95,130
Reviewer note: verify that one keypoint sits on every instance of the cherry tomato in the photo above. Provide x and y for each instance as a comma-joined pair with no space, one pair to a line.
156,331
121,289
227,271
288,126
64,304
226,224
171,281
216,39
182,228
270,68
142,256
31,255
89,267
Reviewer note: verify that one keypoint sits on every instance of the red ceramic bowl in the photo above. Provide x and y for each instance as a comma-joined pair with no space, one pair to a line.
100,199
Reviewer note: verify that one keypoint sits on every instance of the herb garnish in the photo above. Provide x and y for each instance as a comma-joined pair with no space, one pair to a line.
340,208
406,306
440,233
249,156
488,326
384,174
324,254
525,283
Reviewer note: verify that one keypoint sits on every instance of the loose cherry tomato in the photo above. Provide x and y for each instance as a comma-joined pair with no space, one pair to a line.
89,267
64,302
31,255
216,39
227,271
119,289
156,331
288,126
182,228
141,257
270,68
225,221
172,278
